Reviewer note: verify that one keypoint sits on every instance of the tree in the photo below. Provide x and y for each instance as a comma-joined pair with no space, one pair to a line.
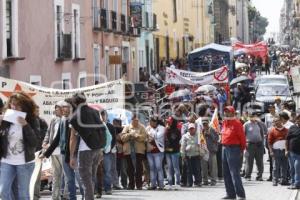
257,24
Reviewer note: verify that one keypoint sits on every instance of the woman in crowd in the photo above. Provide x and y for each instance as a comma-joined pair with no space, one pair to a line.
18,145
155,152
172,152
134,138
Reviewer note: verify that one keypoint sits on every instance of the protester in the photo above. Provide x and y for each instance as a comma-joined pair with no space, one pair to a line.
255,147
56,159
134,138
121,161
269,117
190,152
293,152
210,167
284,117
234,143
172,152
155,152
276,140
90,134
62,141
19,141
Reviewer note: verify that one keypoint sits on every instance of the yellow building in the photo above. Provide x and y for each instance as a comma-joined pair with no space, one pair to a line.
182,26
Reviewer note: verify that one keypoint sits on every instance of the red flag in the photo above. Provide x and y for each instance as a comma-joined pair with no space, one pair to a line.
215,121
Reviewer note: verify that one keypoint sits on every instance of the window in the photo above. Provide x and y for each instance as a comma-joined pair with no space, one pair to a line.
59,28
175,10
106,57
96,64
66,81
76,31
82,79
35,80
115,6
106,4
10,28
124,7
66,84
117,67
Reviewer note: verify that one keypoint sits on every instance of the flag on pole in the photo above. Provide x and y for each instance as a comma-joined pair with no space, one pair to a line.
215,121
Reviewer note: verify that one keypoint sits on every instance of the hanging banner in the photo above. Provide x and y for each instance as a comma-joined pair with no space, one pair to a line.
109,95
257,49
176,76
136,14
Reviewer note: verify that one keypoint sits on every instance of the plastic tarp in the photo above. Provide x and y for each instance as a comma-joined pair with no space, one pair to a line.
210,57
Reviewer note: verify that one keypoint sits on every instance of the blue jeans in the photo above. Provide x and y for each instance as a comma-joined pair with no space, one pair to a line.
231,156
22,173
294,160
70,179
173,166
280,166
107,162
156,168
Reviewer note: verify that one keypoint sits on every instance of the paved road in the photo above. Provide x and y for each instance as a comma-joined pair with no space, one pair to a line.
254,191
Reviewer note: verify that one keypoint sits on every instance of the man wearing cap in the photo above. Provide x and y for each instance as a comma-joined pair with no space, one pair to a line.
234,143
190,152
56,159
255,146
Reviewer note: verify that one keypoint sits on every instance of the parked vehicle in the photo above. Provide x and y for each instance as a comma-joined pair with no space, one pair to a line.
266,94
271,79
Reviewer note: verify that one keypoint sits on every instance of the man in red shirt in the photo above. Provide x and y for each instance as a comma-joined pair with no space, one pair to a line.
234,143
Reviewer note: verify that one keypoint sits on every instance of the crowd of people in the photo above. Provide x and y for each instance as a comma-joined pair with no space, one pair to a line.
191,147
184,150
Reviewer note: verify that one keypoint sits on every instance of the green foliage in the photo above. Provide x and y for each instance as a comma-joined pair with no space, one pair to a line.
258,24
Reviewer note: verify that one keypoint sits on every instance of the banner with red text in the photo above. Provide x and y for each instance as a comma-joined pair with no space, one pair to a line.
109,95
182,77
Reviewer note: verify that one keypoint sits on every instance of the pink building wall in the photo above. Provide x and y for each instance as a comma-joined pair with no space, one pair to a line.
36,43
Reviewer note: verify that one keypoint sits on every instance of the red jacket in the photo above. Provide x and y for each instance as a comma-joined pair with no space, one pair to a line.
275,135
233,133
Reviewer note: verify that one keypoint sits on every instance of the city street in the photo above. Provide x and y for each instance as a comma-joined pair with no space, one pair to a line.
255,190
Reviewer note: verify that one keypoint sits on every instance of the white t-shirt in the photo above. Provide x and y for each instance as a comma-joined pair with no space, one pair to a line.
83,146
288,124
57,149
15,152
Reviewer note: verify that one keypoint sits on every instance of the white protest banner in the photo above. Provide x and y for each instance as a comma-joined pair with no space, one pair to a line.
108,95
176,76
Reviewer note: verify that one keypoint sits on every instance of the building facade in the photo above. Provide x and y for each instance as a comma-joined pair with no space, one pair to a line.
183,25
243,21
67,43
221,20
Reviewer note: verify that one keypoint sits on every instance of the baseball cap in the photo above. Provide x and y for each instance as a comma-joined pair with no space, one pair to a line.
229,109
192,125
